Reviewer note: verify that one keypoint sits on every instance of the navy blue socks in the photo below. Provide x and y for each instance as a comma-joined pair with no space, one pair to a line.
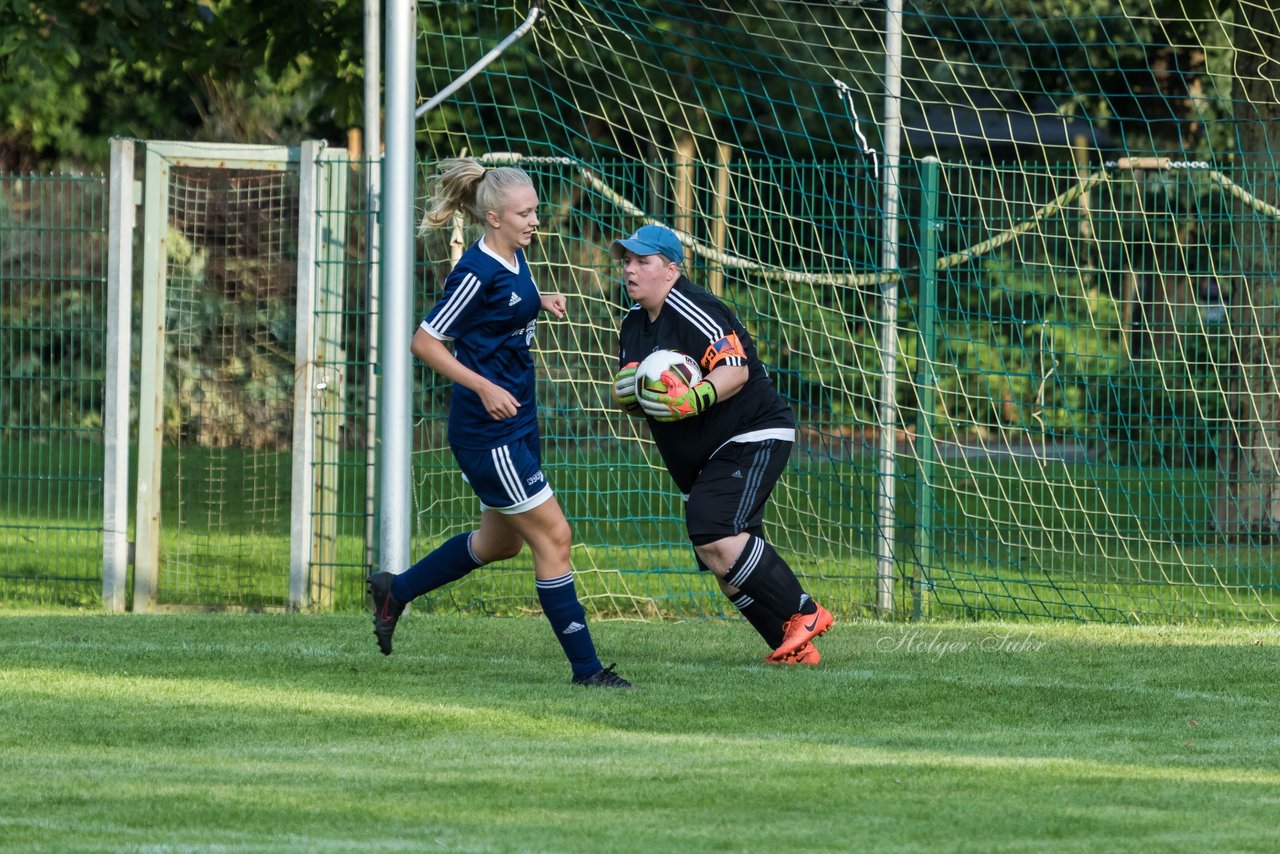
569,621
450,561
453,559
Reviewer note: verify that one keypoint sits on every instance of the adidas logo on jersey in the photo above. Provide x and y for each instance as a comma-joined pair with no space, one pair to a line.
515,298
575,626
737,474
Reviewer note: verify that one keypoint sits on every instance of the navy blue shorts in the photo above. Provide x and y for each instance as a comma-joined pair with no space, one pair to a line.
731,490
508,478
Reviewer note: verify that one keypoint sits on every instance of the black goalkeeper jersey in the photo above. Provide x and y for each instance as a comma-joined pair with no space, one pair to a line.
695,322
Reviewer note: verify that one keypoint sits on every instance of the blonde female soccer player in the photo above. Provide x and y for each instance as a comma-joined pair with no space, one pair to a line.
489,312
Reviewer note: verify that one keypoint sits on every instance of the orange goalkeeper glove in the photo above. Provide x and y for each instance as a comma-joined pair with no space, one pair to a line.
679,401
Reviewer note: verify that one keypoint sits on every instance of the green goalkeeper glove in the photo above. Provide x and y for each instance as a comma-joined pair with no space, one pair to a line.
679,401
624,389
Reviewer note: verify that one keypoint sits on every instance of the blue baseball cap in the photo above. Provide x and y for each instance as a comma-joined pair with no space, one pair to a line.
650,240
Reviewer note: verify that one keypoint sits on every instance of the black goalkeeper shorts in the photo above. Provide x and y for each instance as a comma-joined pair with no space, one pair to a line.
731,490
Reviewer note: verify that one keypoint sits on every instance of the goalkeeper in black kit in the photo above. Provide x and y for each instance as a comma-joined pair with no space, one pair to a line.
725,440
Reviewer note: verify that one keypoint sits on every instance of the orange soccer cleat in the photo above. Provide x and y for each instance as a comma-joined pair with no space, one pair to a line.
806,654
799,630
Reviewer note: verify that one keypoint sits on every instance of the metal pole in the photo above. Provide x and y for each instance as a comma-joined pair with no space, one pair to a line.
887,468
397,294
373,249
927,383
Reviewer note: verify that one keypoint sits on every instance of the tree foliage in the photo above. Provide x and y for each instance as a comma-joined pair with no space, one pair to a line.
74,73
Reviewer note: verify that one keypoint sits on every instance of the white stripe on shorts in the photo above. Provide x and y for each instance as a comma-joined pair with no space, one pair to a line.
508,474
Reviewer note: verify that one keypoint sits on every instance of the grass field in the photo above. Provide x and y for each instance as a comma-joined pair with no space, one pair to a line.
290,733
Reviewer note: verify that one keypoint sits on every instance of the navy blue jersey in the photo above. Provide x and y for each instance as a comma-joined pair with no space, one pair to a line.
489,311
695,322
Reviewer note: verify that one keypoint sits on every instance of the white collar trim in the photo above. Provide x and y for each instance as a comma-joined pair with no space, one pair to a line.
484,247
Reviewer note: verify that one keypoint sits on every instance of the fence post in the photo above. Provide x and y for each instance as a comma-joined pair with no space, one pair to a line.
115,403
683,192
926,382
373,283
304,387
719,226
146,561
333,173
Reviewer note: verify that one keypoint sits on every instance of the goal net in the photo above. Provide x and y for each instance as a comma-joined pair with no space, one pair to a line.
1053,251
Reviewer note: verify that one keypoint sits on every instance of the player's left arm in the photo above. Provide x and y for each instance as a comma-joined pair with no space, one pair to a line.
728,380
725,363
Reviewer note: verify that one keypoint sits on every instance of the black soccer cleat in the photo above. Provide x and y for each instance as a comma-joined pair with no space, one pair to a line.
386,610
603,679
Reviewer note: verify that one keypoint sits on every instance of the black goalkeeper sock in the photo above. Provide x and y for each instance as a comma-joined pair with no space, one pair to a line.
761,573
765,622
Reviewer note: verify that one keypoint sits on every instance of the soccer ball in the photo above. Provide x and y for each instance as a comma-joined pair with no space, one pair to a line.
649,373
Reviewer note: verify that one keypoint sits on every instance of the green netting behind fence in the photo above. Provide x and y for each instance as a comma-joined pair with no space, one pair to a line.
1095,388
52,353
1103,400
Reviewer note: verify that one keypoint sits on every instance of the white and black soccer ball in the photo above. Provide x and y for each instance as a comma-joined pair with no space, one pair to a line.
649,373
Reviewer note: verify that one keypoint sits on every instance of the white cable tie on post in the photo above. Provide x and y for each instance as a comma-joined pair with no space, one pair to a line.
847,93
